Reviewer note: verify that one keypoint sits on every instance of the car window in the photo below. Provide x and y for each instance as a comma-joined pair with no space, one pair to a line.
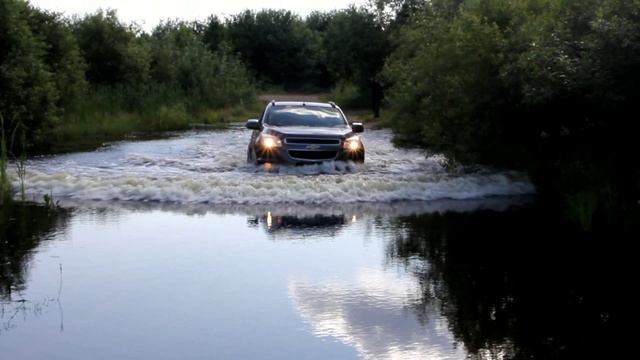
305,116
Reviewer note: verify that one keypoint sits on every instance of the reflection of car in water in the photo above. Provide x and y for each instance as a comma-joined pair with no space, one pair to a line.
296,132
275,222
302,225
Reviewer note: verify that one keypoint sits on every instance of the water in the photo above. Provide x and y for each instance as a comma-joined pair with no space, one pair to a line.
176,249
211,168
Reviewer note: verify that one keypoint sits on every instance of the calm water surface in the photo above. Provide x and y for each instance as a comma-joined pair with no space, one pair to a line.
174,249
158,284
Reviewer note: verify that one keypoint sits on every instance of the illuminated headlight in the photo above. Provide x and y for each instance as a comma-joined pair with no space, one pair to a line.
352,143
269,141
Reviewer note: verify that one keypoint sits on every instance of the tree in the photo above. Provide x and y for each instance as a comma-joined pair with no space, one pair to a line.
544,85
356,45
213,33
276,44
185,70
27,87
113,52
62,57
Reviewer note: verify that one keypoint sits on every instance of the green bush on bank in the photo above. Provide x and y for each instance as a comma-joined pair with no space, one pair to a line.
94,79
348,95
549,86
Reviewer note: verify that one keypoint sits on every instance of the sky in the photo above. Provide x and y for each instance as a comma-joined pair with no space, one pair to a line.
149,13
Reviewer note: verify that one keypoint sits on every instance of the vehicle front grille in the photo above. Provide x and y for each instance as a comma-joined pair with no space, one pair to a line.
313,155
311,141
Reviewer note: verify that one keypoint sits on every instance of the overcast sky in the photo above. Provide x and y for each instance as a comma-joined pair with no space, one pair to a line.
149,13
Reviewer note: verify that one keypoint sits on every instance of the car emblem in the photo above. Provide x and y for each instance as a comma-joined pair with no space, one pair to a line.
312,147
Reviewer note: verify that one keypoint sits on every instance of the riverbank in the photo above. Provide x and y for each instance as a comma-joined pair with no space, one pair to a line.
86,132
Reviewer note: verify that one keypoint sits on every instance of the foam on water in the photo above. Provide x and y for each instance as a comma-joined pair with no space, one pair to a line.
211,168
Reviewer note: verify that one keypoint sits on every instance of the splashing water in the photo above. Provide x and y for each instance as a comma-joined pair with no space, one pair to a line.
211,168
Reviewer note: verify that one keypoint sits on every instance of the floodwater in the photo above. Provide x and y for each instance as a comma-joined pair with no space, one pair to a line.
177,249
210,168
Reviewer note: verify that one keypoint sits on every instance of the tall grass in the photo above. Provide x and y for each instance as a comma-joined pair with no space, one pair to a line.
348,95
5,185
106,117
21,160
7,144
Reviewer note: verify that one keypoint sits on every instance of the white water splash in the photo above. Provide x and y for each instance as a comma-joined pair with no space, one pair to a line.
211,168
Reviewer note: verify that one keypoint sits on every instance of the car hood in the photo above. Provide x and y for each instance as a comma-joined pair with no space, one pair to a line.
311,131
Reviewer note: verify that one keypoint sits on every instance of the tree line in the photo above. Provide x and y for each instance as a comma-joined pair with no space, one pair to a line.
58,71
546,86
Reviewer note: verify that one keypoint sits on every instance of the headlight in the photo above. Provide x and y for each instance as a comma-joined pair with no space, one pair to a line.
352,143
269,141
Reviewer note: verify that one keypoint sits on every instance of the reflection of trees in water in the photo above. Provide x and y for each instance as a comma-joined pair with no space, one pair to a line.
513,285
22,228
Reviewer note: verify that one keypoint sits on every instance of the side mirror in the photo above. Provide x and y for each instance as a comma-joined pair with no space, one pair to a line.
253,124
357,127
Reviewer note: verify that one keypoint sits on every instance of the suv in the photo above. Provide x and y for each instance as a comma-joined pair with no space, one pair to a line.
296,132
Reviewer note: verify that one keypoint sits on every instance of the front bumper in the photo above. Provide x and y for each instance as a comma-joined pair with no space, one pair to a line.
307,154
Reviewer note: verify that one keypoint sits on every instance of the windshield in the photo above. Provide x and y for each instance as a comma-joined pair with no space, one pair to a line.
305,116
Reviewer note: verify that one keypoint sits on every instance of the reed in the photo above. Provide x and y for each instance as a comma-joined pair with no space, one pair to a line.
5,184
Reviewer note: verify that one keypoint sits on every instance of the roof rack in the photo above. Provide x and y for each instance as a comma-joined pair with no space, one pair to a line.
332,103
273,102
304,104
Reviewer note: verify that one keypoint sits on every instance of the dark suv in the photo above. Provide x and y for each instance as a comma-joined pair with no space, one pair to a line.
296,132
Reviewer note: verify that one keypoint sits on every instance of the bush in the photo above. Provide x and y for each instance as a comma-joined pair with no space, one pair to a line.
348,95
541,85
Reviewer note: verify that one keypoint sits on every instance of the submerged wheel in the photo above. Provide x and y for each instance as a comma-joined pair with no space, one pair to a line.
358,157
252,158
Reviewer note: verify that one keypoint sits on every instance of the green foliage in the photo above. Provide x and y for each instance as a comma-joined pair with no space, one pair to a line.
20,160
284,50
62,57
348,95
9,139
355,45
115,54
213,32
277,46
27,87
49,202
6,191
97,77
445,97
112,50
184,69
543,85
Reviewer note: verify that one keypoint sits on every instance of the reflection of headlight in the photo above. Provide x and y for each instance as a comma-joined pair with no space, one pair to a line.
269,141
352,143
